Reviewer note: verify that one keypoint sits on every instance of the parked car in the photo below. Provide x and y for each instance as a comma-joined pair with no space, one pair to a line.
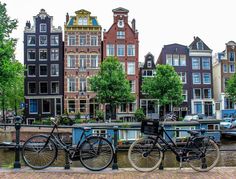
191,117
228,123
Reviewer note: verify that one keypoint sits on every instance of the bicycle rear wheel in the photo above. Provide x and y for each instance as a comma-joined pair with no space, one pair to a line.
143,156
37,153
96,153
208,160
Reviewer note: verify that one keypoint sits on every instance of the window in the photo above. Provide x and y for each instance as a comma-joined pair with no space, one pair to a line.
130,135
58,106
183,77
185,95
43,70
206,78
31,55
100,132
231,68
195,63
197,93
207,93
54,69
42,40
182,60
71,106
131,68
31,88
46,106
31,40
82,84
82,62
110,50
123,107
42,54
82,106
149,64
94,40
228,103
83,21
33,106
43,87
54,40
71,40
200,46
120,35
131,50
206,63
71,84
94,61
169,59
43,27
31,71
198,107
71,61
123,66
225,82
54,54
82,40
132,107
175,60
55,88
132,86
120,50
225,68
231,56
196,78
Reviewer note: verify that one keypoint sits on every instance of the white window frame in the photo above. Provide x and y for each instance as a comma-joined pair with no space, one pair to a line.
100,132
169,59
68,84
50,110
175,59
110,48
183,134
208,60
71,40
230,71
43,59
40,27
124,134
120,34
56,71
125,108
194,94
29,88
182,58
28,70
183,74
33,50
131,48
37,107
120,48
41,36
204,93
196,59
94,59
94,36
203,79
185,93
132,87
40,87
58,87
225,68
85,42
68,109
40,70
199,75
28,44
53,51
131,64
51,37
69,59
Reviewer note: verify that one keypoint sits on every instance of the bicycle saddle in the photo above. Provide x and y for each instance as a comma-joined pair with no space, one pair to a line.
193,133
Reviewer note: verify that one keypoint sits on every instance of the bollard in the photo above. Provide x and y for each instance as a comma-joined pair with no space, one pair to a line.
115,165
67,163
18,120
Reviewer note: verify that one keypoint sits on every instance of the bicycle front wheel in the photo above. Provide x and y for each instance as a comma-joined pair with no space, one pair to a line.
209,158
38,152
144,156
96,153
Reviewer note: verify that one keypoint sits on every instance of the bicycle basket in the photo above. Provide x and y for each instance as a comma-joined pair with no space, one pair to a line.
150,127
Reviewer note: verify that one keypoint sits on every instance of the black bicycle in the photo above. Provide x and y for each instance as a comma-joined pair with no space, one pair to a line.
94,152
146,154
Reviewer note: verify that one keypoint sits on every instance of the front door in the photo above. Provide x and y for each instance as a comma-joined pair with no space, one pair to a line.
208,108
113,112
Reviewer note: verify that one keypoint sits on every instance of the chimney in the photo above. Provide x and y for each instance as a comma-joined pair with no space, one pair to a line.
28,25
133,25
67,17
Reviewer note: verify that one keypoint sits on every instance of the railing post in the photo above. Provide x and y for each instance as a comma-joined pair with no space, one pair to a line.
18,120
115,165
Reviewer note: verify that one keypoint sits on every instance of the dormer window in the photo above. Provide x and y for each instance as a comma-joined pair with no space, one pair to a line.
83,21
149,64
200,46
43,27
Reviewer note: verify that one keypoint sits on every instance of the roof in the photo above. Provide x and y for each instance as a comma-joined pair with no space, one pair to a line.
193,45
120,9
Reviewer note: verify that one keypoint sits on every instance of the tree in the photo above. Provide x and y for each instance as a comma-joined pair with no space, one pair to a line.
165,86
139,115
111,84
9,68
231,88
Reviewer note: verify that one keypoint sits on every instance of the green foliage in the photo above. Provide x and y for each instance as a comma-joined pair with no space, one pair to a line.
46,122
139,115
111,84
79,121
100,115
231,88
165,86
78,115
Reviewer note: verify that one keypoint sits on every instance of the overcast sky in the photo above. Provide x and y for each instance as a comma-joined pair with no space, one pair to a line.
159,22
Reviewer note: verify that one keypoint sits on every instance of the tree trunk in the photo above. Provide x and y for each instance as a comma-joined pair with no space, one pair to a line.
15,108
110,111
164,110
3,109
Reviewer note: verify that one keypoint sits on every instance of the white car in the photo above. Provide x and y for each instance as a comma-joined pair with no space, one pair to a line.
191,117
228,123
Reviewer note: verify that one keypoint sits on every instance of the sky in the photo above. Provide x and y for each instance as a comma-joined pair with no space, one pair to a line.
159,22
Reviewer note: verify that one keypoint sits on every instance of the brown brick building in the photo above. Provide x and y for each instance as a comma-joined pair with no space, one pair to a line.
121,40
82,58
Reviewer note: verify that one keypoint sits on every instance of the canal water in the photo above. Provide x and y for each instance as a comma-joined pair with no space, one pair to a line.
228,158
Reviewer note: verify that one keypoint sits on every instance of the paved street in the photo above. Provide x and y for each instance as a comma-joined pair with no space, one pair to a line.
60,173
